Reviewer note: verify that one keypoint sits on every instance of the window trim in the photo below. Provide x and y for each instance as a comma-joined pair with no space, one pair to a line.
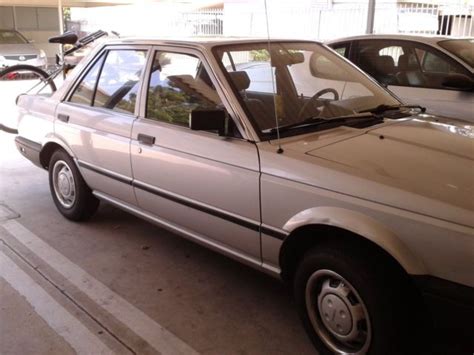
413,45
346,44
212,75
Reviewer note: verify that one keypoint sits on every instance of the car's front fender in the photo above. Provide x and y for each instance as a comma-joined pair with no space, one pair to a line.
363,226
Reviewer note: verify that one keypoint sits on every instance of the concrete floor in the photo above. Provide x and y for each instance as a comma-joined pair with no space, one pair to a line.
124,285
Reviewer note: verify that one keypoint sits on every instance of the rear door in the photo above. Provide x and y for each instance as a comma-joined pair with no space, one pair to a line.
96,119
197,182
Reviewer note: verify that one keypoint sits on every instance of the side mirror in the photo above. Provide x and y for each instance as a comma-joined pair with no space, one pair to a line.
458,82
208,120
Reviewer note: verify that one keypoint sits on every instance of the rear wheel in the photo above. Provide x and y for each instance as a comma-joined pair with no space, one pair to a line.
36,79
17,80
71,195
351,302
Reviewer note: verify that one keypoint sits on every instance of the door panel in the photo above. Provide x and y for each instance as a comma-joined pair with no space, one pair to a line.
199,181
450,103
100,139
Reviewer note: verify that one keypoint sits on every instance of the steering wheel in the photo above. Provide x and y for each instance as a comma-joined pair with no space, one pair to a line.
315,97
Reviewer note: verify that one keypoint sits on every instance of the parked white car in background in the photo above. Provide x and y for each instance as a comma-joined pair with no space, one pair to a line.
436,72
363,206
16,49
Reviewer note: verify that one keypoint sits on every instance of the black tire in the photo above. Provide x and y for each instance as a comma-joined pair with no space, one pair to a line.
72,197
40,73
378,288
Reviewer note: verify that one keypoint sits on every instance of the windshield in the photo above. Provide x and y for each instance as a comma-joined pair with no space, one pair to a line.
303,80
461,48
11,37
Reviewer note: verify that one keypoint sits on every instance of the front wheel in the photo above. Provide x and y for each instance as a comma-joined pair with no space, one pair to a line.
351,304
71,195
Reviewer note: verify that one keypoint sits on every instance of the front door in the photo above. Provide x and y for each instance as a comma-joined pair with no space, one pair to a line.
202,184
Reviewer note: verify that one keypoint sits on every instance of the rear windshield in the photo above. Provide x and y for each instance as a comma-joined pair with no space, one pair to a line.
461,48
11,37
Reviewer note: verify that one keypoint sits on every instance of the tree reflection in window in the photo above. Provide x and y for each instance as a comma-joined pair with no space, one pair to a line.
178,85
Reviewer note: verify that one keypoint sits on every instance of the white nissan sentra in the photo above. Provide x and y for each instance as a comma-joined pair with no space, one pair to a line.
308,170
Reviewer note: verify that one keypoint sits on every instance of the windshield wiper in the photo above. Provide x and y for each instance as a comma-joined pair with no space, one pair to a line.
383,108
356,118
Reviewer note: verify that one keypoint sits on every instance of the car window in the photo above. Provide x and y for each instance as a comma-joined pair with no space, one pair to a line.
342,49
11,37
256,64
119,80
461,48
325,74
434,63
179,84
303,80
393,51
84,92
380,59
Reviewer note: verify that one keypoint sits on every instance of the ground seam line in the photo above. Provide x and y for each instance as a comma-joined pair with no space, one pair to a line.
136,320
69,297
66,325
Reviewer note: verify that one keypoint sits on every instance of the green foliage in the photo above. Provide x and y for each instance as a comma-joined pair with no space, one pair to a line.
260,55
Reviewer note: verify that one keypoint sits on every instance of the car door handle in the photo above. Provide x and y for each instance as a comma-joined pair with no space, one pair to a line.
63,118
145,139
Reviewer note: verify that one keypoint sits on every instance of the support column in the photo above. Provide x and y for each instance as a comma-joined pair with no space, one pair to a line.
14,17
370,17
61,16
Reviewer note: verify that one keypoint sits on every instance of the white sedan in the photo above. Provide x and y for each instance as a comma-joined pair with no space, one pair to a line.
436,72
363,206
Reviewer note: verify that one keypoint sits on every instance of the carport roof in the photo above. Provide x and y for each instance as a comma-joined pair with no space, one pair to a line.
65,3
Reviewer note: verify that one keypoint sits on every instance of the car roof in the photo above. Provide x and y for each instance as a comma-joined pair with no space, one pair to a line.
433,39
200,42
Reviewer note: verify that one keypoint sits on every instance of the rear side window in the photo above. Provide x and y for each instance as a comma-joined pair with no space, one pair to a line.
113,81
84,92
119,80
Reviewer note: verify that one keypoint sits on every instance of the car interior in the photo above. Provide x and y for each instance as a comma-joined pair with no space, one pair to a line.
405,65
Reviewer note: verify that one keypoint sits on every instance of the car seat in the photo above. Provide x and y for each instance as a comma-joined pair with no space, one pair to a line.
408,71
384,66
259,112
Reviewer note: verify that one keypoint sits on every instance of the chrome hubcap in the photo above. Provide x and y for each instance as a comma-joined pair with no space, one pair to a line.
63,183
337,313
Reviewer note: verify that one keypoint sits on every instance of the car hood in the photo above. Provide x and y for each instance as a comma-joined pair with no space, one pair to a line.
421,165
14,49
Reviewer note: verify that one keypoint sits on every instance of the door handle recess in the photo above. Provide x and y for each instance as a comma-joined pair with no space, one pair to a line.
145,139
63,118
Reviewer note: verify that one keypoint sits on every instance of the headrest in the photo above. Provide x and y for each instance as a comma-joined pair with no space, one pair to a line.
403,62
407,62
240,79
385,64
